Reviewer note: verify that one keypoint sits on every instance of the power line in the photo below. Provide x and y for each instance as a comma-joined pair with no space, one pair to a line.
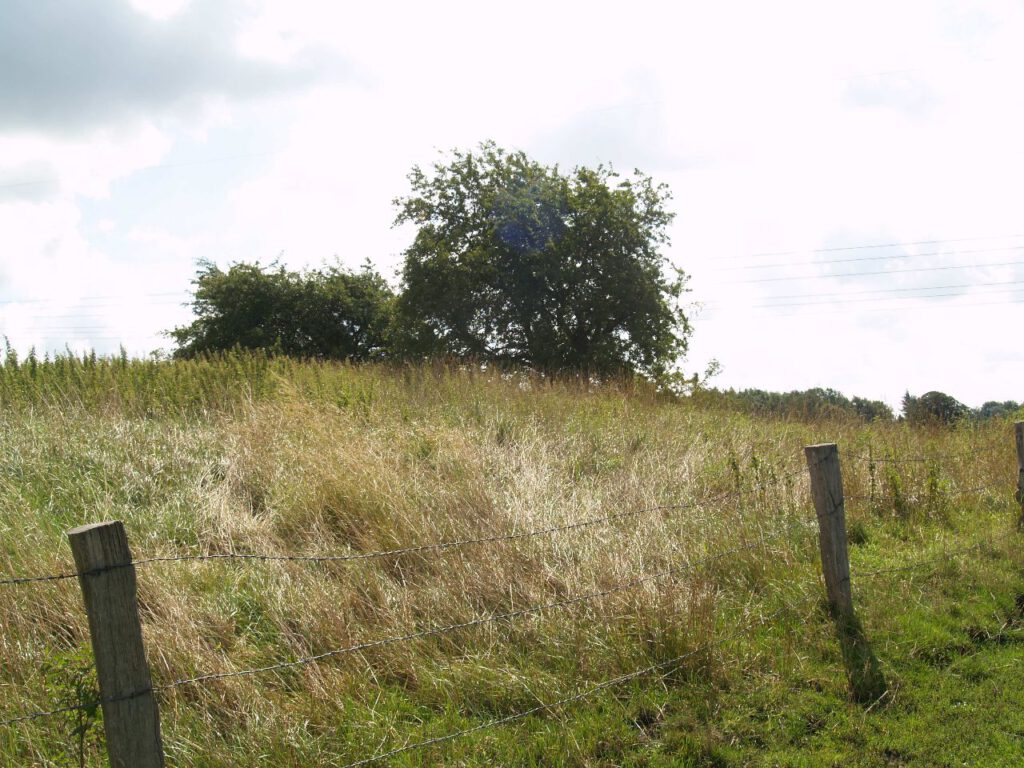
880,272
70,337
876,299
890,257
108,311
898,244
819,294
839,297
62,329
67,322
81,299
890,308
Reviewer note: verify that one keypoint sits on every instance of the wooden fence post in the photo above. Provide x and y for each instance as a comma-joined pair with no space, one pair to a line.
1018,429
131,719
827,492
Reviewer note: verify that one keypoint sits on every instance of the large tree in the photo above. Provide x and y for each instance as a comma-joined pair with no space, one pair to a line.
329,313
517,262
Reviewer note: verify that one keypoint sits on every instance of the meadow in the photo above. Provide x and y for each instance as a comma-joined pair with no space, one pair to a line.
680,539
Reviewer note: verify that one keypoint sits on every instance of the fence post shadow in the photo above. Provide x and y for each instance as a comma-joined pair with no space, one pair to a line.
863,670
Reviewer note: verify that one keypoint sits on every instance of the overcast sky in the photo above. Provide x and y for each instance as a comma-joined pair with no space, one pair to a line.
139,137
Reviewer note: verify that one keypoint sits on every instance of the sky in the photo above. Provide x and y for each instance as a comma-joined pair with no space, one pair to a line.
846,178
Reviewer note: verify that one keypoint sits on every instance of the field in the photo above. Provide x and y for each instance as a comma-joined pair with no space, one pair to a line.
679,565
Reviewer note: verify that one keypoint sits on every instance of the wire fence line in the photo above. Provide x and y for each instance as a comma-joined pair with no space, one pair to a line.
51,712
357,556
735,634
977,451
412,549
491,618
958,491
434,631
16,580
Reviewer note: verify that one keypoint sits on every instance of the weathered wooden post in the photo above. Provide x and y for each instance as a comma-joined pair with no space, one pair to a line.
867,683
131,719
1018,429
827,493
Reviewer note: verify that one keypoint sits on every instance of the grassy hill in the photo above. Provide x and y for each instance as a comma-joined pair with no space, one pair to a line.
674,602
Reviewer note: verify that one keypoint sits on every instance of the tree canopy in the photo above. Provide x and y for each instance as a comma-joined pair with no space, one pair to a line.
517,262
327,313
933,407
993,409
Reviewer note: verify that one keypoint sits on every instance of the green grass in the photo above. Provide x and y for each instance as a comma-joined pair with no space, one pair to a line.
243,453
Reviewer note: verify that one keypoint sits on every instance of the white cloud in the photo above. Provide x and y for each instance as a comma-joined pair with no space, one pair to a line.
80,66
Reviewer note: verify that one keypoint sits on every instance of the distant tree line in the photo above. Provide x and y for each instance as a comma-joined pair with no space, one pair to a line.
940,408
801,405
513,262
930,408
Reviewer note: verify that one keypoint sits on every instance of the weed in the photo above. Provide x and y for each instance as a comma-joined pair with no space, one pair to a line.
71,677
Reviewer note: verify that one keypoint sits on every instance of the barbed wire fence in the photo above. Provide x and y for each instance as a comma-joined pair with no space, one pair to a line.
107,575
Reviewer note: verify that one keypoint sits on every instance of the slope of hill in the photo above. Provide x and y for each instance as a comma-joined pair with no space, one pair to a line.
647,564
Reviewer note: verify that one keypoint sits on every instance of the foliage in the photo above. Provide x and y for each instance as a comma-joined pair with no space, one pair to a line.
71,677
940,408
809,404
516,262
998,410
933,408
327,313
872,410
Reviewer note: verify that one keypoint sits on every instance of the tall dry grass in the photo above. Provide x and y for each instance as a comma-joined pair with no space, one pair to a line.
244,454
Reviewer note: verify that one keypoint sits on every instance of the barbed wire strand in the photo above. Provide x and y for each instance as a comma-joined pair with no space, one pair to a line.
495,617
55,577
959,491
50,713
924,459
439,546
624,586
94,702
433,547
397,552
616,681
